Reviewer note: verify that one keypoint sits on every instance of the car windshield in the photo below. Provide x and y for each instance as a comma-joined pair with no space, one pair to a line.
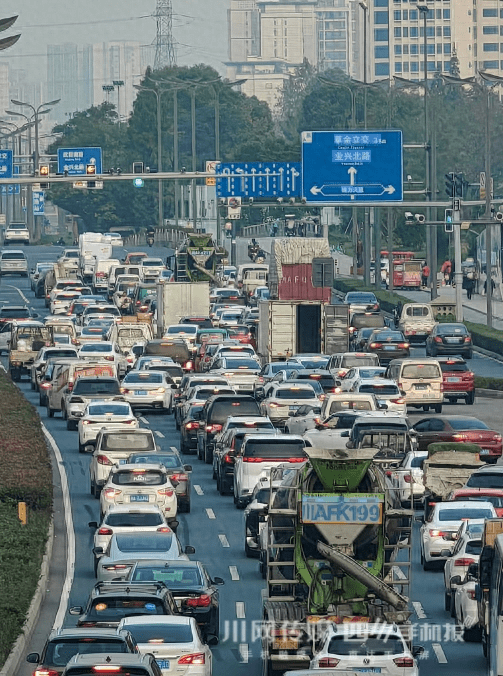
241,364
150,264
485,480
340,405
367,374
294,393
143,377
313,362
379,390
366,644
392,336
158,634
348,361
451,329
97,386
91,347
60,651
186,328
114,609
462,514
421,371
14,313
340,421
108,409
169,460
138,477
116,441
360,298
467,424
13,256
417,462
172,575
371,320
448,366
143,542
60,353
263,495
221,410
274,448
133,519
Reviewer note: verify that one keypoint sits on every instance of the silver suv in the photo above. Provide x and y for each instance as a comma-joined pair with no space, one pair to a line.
13,262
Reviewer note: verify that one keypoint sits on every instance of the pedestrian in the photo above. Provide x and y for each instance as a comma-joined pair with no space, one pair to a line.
397,313
446,271
493,286
470,284
425,273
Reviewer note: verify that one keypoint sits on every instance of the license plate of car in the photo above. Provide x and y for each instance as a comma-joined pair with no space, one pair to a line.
453,380
140,393
453,341
138,498
294,408
285,644
420,387
163,664
484,451
389,347
369,670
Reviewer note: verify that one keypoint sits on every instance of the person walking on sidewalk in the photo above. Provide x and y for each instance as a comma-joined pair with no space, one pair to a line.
446,270
425,273
470,285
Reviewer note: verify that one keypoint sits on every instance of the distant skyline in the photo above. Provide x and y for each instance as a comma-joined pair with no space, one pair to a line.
199,27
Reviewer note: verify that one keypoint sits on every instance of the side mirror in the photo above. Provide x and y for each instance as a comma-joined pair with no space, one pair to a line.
93,524
218,580
35,314
187,468
456,579
212,640
259,393
98,550
417,650
345,434
76,610
174,386
291,414
189,549
446,553
33,658
419,519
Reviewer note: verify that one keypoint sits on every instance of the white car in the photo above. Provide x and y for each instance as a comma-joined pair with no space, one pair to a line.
186,332
241,372
466,551
115,238
284,399
104,413
105,350
230,317
466,608
303,419
140,484
114,447
358,373
376,648
61,302
407,478
233,349
175,642
150,268
149,389
437,533
386,392
127,519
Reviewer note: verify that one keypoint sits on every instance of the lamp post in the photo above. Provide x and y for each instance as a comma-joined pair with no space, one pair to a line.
365,7
118,84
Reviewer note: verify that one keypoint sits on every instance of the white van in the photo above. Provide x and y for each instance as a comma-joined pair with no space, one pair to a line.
421,381
101,273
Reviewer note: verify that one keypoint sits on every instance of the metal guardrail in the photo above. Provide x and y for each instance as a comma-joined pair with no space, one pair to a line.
266,230
171,237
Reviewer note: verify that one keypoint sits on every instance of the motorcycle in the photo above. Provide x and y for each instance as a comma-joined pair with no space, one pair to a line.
150,240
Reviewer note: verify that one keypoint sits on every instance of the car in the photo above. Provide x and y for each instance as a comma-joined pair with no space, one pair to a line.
333,431
339,364
458,379
10,313
99,311
486,477
360,339
358,373
492,495
115,238
177,471
243,334
149,389
449,339
466,611
268,371
223,294
304,418
240,371
13,262
186,383
62,301
36,272
230,317
102,413
311,361
407,478
150,268
86,390
105,350
387,344
124,549
175,642
255,515
195,592
258,294
92,334
233,349
120,519
361,301
465,550
443,523
459,428
284,398
43,356
323,377
63,644
97,664
379,648
165,364
110,602
133,485
113,447
186,332
387,393
188,428
16,232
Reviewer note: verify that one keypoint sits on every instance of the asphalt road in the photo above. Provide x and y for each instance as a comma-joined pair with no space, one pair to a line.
215,528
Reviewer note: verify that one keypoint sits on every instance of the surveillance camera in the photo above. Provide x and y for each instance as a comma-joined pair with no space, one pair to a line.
409,216
420,218
304,200
499,216
280,200
250,201
292,200
409,177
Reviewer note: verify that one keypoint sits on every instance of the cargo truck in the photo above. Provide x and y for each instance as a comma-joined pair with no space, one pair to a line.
93,246
288,327
488,574
181,299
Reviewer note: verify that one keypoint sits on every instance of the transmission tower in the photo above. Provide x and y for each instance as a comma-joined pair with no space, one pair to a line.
164,42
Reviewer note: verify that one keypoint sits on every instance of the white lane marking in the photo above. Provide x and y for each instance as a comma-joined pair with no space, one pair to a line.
244,652
439,653
19,292
234,573
3,368
70,534
240,610
144,420
198,489
223,540
421,615
159,434
211,514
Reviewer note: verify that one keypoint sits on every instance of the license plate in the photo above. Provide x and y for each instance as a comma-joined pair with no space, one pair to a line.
163,664
484,451
452,341
369,670
293,408
140,393
453,380
389,347
285,644
420,387
138,498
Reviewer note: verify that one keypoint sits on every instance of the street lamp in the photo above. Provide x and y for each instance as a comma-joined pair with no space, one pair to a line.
352,94
365,7
118,84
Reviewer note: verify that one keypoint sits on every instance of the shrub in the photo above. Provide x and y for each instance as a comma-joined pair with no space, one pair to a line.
489,383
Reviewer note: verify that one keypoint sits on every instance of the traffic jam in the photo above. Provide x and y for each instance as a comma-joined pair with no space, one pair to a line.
325,421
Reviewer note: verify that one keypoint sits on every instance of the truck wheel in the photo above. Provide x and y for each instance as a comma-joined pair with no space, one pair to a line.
15,375
438,408
447,601
472,635
470,398
50,412
426,409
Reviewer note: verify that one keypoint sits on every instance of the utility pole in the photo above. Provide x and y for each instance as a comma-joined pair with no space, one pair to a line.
489,286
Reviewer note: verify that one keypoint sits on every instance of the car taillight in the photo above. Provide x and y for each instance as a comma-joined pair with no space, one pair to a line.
407,478
109,357
375,345
438,339
89,422
471,594
404,661
179,477
129,422
168,492
468,339
463,562
45,672
107,668
117,566
193,658
105,531
189,365
497,437
87,624
124,390
460,437
213,428
398,401
191,425
70,386
328,662
103,460
202,601
404,345
110,493
164,529
45,386
228,459
273,404
437,533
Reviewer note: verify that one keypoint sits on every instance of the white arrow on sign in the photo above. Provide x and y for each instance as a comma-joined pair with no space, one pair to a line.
352,173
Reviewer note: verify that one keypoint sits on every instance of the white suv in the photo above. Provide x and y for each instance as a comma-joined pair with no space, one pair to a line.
17,232
13,262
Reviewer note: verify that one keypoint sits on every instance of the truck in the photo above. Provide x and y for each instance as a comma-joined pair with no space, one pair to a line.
333,538
93,246
197,259
26,340
486,592
129,333
250,276
416,321
288,327
101,274
181,299
301,269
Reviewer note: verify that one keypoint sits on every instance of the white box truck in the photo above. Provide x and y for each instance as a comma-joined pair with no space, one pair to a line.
288,327
93,246
181,299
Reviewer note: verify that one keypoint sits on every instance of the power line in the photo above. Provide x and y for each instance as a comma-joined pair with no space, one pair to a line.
164,42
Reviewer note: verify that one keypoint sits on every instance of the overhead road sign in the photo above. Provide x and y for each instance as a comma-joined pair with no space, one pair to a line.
258,179
76,161
11,189
349,167
38,202
6,164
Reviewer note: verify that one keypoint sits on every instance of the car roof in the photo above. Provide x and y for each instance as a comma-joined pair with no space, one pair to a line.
496,469
157,619
78,632
463,504
378,382
284,437
122,659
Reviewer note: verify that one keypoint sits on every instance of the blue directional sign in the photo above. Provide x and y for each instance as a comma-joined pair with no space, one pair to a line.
75,160
38,202
342,167
11,189
6,164
266,179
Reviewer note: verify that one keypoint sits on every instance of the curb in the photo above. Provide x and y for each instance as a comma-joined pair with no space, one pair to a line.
13,661
487,394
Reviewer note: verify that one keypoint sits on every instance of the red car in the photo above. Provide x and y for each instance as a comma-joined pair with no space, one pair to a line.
461,428
492,495
241,333
458,379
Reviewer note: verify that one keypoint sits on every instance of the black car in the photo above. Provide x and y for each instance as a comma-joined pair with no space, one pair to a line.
189,428
226,453
322,376
215,412
177,471
194,591
388,344
449,339
109,602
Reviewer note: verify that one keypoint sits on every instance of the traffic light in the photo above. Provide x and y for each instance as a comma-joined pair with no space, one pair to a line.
460,185
449,225
90,170
449,184
137,167
44,170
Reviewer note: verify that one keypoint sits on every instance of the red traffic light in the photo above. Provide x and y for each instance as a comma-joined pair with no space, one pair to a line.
44,170
91,169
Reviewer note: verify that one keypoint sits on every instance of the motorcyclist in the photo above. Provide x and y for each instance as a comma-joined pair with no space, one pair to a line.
150,235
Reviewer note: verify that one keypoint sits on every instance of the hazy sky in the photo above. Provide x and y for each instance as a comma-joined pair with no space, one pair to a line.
200,28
